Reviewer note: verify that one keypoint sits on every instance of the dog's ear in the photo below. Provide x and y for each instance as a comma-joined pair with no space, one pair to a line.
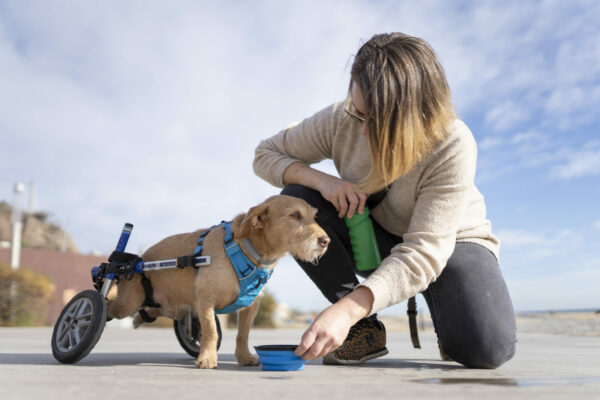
253,221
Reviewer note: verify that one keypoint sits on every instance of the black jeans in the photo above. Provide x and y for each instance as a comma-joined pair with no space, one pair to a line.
469,303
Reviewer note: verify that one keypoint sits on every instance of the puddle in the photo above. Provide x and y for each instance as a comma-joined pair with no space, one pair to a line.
509,382
468,381
275,377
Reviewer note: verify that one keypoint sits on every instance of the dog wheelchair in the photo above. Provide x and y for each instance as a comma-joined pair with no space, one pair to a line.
81,322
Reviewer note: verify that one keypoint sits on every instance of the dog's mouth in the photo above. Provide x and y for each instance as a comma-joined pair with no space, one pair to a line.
312,252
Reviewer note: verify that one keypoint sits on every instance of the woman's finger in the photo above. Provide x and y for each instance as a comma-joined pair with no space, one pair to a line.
353,202
315,350
305,343
362,200
343,201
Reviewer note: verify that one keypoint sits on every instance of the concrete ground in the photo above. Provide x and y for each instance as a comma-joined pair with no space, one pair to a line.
149,364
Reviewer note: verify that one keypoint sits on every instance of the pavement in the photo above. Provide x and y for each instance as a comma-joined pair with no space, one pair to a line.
149,364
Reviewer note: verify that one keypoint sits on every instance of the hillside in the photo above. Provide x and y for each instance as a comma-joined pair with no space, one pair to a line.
37,231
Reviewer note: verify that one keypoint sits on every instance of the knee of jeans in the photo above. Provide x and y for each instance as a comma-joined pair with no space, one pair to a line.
296,190
487,353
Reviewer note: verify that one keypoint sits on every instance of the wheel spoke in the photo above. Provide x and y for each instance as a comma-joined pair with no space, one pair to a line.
85,317
80,303
84,324
77,334
72,310
63,330
83,307
72,341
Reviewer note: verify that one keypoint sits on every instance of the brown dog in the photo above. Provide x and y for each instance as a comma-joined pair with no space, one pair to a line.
279,225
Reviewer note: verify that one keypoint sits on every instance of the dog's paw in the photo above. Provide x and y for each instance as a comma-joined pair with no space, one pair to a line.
206,363
247,360
137,321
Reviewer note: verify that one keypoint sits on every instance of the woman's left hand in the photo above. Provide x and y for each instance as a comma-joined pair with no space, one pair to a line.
327,332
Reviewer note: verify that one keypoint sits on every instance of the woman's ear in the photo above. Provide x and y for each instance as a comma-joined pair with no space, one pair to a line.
253,221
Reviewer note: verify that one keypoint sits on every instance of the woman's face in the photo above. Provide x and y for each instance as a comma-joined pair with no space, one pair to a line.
359,106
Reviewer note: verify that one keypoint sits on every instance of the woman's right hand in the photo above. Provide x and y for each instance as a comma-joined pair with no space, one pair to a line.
345,196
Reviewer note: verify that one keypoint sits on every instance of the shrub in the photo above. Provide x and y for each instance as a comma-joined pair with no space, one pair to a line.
266,311
265,317
23,296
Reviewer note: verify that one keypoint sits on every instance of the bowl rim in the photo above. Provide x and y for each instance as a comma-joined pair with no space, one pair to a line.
276,347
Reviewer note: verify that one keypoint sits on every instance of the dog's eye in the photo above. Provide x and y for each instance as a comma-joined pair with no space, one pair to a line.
296,215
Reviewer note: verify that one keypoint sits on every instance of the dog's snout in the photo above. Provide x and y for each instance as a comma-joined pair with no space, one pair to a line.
323,241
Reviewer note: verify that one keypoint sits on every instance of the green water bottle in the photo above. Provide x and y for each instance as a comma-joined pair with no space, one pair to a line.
362,238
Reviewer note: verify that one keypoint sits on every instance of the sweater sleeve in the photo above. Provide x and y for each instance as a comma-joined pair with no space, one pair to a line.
308,142
431,236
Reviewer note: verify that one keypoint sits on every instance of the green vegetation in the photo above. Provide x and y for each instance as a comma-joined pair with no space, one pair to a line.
23,297
265,318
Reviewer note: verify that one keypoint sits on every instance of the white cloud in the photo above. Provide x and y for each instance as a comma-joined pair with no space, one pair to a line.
556,291
151,114
490,142
506,115
537,246
579,164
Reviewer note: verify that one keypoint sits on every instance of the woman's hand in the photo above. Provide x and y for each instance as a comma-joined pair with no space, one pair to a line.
345,196
329,330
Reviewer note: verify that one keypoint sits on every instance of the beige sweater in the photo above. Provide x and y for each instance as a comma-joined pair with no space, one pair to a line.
432,207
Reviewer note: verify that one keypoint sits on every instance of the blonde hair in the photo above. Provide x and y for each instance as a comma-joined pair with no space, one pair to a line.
407,104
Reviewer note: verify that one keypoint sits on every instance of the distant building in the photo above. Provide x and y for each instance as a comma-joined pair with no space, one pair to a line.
71,273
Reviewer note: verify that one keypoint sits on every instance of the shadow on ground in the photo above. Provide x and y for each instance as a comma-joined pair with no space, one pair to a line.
226,361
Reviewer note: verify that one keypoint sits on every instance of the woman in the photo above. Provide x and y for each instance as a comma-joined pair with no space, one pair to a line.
396,141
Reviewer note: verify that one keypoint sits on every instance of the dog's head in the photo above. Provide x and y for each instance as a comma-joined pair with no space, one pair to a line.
284,224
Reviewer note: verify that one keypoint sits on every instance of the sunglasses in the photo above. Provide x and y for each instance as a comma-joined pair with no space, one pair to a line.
350,110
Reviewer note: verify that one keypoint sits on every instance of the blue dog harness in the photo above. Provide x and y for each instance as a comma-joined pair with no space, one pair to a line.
252,278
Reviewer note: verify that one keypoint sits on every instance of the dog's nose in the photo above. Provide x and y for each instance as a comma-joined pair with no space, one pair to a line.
323,241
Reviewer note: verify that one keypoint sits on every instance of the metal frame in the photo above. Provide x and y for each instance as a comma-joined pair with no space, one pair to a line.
142,266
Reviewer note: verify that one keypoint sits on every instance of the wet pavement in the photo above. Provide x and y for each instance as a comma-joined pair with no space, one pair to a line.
149,364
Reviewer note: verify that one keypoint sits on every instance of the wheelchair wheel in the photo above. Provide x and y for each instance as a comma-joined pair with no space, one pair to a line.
188,332
79,327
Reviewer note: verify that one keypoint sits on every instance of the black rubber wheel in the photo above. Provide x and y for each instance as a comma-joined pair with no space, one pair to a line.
190,339
79,327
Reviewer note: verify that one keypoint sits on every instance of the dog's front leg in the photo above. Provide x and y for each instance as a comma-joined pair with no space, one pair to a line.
209,338
245,319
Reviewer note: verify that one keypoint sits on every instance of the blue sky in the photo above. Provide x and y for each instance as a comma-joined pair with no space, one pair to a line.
149,112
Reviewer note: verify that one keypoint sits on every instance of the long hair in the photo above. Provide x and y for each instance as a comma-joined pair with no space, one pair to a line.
407,104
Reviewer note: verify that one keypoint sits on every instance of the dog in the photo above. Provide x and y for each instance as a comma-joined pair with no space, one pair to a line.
281,224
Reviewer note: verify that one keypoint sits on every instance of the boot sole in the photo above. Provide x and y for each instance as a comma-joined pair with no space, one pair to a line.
330,359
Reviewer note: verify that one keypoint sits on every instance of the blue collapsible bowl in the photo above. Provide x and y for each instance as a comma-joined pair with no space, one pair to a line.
279,357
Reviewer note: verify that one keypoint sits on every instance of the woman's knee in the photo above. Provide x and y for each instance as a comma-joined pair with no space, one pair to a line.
483,352
307,194
327,214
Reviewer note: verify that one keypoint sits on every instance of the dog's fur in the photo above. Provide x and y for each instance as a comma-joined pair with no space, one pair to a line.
279,225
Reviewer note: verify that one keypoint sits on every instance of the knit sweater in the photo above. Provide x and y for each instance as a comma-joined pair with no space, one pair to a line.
432,207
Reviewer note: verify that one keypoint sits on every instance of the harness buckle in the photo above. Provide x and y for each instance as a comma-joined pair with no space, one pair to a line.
186,261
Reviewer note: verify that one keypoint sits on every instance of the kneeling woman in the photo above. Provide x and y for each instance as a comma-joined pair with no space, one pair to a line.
397,144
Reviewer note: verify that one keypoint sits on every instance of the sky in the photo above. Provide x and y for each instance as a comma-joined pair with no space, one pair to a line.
149,112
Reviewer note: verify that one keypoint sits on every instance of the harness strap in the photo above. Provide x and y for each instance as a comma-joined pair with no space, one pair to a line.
254,254
251,277
412,322
149,292
145,316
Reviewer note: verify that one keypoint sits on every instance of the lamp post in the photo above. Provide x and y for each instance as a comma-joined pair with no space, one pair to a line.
17,226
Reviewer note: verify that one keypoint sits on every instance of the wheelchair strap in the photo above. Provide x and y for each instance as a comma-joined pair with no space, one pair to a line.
149,292
145,317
